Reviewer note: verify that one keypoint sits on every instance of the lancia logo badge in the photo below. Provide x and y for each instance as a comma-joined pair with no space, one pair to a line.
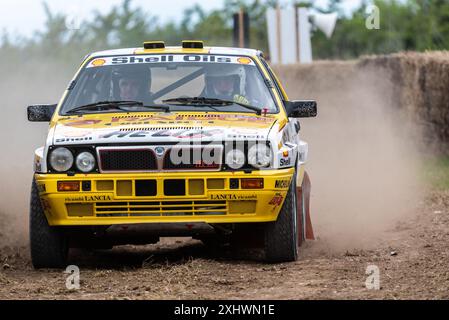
159,151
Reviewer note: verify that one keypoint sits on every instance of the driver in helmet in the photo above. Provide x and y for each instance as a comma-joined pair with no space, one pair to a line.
132,83
129,88
226,84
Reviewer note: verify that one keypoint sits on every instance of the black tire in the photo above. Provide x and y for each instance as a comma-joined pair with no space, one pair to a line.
281,236
48,245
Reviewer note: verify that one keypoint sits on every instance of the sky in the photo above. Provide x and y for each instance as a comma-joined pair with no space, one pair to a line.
23,17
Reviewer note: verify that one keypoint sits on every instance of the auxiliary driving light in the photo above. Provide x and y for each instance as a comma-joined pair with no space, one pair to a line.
85,162
259,156
235,159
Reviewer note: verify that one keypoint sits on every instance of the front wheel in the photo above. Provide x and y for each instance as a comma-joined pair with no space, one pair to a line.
49,246
281,236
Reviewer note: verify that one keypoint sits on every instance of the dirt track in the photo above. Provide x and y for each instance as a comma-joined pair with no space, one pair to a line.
179,269
363,181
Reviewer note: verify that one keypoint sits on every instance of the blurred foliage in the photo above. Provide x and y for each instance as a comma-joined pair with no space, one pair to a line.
409,25
405,25
435,172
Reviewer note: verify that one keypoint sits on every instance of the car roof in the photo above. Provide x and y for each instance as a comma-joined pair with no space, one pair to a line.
178,49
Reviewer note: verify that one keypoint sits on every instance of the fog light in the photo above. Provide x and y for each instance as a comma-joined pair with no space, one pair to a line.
67,186
252,183
86,185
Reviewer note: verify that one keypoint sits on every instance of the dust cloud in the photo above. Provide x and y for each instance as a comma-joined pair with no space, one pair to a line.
363,158
32,82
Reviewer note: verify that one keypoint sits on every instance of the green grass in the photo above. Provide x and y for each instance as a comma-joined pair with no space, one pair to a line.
436,172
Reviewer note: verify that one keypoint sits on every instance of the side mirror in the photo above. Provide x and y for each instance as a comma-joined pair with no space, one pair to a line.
301,108
41,112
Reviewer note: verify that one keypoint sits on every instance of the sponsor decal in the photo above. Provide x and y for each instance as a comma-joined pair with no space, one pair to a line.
167,122
282,184
142,59
161,58
61,140
180,134
38,168
80,123
159,151
246,136
201,164
233,197
77,199
69,134
75,133
98,62
89,198
134,120
284,162
277,200
181,119
97,198
244,60
46,206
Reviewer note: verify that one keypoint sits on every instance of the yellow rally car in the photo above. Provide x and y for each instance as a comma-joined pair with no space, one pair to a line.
171,141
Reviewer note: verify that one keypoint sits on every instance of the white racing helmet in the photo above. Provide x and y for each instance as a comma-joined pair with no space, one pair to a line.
223,71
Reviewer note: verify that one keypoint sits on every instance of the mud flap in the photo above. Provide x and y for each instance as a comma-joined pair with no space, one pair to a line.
305,230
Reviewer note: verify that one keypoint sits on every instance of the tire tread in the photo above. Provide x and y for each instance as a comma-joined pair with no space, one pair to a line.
48,244
279,245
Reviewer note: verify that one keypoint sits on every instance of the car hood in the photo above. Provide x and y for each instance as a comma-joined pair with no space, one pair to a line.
160,127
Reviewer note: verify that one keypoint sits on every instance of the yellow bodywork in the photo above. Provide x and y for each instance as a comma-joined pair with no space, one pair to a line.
209,197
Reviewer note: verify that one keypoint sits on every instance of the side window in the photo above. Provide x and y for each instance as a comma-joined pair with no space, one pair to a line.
95,86
273,77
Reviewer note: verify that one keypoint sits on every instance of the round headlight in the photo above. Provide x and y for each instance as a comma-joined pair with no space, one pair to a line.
259,156
85,162
235,159
61,159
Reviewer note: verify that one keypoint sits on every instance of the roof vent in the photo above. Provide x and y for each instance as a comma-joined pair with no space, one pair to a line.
149,45
192,44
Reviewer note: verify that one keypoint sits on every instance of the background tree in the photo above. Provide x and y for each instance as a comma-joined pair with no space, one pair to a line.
405,25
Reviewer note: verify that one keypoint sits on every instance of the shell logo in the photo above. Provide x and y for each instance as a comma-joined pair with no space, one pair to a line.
98,62
244,60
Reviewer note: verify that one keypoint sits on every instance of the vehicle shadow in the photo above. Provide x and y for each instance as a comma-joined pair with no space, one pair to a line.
175,252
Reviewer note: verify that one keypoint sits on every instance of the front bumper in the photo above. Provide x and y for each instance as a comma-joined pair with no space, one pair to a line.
210,197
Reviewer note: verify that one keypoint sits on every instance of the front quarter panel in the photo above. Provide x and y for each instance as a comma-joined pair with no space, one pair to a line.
284,150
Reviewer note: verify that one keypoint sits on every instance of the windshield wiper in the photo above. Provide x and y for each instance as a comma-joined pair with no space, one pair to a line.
110,105
203,101
104,105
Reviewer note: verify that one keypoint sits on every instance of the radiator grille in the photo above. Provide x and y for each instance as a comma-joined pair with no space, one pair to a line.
127,160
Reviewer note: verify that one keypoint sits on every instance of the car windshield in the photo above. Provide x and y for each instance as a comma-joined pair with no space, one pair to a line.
181,82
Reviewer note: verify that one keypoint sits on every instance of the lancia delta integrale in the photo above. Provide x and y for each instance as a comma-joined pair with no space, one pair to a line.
160,141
